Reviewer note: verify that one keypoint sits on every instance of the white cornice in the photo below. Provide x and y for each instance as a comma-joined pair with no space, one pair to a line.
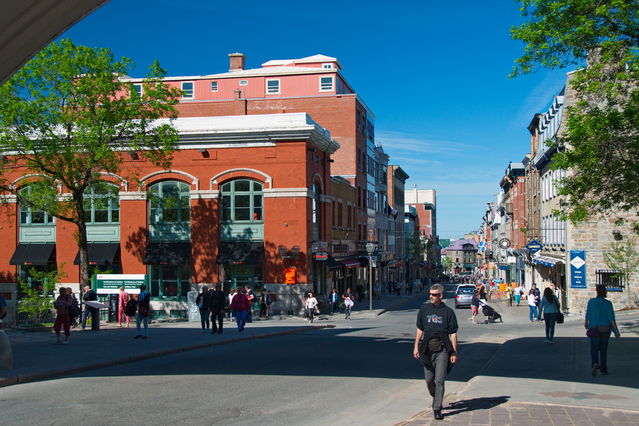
204,194
287,193
132,196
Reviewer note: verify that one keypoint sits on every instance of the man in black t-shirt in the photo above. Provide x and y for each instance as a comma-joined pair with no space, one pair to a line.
436,344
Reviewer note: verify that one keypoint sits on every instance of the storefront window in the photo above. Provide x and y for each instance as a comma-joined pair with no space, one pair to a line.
242,201
170,281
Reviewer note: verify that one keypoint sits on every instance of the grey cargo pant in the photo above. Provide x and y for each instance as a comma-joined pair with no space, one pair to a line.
435,377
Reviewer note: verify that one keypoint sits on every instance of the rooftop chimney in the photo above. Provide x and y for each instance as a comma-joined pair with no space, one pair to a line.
236,61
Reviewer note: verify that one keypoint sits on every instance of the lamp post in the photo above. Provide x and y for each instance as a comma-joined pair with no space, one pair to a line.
370,249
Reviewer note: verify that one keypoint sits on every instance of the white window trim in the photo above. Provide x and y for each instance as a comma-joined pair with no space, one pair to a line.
216,86
328,66
332,89
279,86
193,90
140,86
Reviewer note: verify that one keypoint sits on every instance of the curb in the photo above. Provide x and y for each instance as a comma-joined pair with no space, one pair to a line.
9,381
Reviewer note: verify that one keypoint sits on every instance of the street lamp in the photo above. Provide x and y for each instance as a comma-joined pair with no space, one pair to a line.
370,249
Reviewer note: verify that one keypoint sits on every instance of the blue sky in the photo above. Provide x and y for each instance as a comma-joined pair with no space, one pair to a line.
434,73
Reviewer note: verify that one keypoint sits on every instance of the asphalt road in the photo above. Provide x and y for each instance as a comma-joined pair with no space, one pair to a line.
361,372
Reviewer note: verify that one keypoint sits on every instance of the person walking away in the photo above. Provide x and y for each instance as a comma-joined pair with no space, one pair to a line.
144,311
333,298
251,298
600,321
263,306
240,306
519,290
123,299
74,309
217,303
130,309
310,305
89,296
532,306
535,291
63,316
202,301
436,344
474,306
549,307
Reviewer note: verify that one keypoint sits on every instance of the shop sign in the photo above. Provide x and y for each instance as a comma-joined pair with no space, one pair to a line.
111,283
290,275
578,268
534,246
321,256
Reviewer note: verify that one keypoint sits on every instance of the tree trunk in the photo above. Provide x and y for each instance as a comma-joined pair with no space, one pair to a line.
83,245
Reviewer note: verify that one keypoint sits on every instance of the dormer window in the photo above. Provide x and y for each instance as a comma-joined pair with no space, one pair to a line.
327,66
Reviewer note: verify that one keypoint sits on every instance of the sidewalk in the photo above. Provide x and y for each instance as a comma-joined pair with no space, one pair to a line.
36,357
529,382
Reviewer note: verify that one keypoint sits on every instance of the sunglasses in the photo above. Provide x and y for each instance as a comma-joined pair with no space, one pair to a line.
435,294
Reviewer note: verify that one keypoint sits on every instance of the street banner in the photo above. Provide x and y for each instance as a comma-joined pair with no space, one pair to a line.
111,283
578,269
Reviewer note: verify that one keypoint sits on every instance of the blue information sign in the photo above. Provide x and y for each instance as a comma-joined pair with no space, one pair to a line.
534,246
578,268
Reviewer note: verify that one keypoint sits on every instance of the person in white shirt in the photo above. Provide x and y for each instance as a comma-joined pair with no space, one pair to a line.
532,305
311,303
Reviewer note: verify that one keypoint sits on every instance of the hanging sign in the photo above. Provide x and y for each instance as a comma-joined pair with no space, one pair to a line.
578,268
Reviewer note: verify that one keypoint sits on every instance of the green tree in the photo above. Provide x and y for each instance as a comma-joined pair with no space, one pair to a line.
601,139
447,264
623,256
67,117
36,300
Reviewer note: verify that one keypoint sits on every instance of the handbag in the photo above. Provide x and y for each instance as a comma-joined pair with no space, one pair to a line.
560,316
592,332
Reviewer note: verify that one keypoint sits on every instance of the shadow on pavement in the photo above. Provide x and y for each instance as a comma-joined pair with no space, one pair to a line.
473,404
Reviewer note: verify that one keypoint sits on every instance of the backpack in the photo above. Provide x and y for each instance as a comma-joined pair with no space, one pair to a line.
131,307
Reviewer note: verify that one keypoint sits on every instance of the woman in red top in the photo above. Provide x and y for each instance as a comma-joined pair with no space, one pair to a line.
63,316
240,307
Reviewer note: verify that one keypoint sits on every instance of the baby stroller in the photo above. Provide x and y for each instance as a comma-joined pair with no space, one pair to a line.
491,314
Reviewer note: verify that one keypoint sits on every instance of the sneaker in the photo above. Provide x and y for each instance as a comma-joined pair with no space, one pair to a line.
438,415
546,340
138,336
595,367
65,342
551,342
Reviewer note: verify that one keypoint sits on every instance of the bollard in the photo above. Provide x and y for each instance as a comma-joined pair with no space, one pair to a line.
6,353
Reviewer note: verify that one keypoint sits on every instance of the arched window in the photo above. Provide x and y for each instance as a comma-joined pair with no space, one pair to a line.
169,202
102,203
31,216
242,201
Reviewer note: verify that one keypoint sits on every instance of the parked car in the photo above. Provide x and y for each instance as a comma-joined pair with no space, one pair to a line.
464,294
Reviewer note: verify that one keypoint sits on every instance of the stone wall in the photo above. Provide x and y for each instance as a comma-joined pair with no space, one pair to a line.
595,237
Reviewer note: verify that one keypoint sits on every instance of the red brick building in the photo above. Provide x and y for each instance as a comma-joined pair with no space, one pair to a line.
246,202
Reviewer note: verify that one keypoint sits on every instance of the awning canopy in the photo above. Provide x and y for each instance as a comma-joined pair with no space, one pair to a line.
32,254
331,263
100,253
351,263
168,253
547,261
241,252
